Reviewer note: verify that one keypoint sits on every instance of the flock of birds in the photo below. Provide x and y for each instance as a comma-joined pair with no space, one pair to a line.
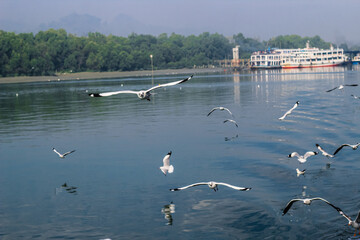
167,168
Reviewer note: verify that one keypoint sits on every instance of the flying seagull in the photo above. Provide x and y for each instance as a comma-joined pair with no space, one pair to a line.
289,112
232,121
212,185
302,159
62,155
355,224
142,94
306,201
221,109
342,86
323,151
166,164
354,147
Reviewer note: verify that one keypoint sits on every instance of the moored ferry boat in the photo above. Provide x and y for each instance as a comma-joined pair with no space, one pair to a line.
314,57
356,59
298,58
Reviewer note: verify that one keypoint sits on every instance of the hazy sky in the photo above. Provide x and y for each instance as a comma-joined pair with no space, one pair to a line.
335,21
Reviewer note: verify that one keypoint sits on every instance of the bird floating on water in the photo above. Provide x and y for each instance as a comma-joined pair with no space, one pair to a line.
232,121
221,109
290,111
328,155
356,97
342,86
302,159
354,147
167,168
299,172
62,155
142,94
212,185
306,201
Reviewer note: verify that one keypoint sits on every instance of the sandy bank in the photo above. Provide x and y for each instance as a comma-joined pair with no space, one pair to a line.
103,75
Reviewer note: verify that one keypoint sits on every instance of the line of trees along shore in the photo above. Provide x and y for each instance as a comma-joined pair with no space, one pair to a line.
51,51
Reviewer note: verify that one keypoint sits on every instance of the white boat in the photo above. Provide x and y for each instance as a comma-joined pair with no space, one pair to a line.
314,57
298,58
356,59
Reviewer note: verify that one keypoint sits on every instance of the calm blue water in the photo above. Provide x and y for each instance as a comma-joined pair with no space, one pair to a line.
120,142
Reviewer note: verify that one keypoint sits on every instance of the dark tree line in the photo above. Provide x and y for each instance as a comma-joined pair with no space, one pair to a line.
51,51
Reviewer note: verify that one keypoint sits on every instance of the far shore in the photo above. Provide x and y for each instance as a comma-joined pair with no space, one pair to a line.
106,75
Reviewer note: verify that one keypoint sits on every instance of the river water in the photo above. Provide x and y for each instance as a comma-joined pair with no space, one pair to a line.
115,189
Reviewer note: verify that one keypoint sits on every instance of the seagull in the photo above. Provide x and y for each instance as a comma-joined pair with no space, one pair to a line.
142,94
306,201
233,121
298,172
289,112
212,185
355,224
167,167
323,152
302,159
356,97
342,86
221,109
62,155
354,147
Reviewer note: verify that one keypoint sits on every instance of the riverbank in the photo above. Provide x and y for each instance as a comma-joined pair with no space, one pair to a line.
106,75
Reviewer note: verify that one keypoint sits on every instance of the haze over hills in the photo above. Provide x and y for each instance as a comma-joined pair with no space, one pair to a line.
82,24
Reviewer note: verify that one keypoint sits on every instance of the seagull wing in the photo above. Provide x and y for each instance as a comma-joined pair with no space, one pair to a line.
309,154
289,204
234,187
351,85
68,153
228,111
339,148
323,151
289,111
336,208
212,110
169,84
332,89
107,94
166,160
358,218
189,186
56,152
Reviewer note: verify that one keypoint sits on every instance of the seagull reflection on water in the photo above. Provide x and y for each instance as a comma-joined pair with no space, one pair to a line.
68,189
167,210
231,138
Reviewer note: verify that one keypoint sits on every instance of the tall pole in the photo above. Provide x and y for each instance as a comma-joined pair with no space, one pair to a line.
152,69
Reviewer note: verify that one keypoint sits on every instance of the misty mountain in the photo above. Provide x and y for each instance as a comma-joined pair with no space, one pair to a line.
79,24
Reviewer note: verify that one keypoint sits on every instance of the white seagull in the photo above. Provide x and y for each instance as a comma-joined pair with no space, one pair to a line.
306,201
212,185
167,168
354,147
298,172
62,155
342,86
142,94
328,155
355,224
232,121
302,159
289,112
356,97
221,109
